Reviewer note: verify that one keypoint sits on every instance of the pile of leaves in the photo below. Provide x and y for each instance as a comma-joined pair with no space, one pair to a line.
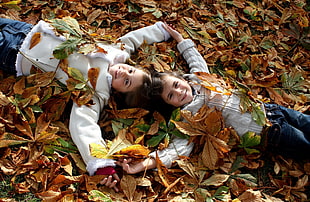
260,47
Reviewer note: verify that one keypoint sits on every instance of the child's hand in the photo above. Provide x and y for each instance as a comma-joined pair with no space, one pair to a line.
111,181
133,168
174,34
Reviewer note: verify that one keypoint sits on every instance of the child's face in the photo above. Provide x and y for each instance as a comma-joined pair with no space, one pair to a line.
176,92
126,78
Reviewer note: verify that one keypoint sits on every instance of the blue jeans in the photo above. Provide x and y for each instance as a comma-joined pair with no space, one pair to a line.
289,134
12,35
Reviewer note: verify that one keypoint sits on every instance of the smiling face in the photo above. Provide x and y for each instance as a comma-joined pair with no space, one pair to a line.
126,78
176,92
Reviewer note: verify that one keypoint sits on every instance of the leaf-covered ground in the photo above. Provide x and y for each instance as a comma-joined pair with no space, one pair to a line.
261,47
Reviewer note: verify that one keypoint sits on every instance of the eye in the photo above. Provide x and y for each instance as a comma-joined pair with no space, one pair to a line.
169,96
126,82
130,71
175,84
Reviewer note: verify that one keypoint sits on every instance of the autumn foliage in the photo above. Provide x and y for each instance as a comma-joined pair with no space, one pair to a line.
260,48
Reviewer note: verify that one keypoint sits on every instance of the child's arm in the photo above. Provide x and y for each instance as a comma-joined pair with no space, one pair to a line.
187,48
177,147
133,168
150,34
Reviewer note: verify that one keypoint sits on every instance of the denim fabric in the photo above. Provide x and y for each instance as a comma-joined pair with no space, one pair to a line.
289,134
11,38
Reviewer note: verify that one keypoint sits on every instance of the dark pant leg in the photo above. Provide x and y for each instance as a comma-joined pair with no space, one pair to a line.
289,134
12,34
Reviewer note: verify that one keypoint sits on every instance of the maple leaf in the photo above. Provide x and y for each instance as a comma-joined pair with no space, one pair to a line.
206,124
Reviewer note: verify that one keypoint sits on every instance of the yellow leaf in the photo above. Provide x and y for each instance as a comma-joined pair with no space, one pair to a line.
119,143
98,150
134,151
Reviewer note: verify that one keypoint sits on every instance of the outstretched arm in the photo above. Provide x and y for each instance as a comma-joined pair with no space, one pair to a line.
188,50
133,168
150,34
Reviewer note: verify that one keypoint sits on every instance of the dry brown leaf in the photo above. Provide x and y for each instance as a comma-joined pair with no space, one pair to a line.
251,196
93,74
128,185
35,39
19,86
130,113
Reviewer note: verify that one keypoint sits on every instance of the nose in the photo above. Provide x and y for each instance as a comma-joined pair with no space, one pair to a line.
123,73
178,92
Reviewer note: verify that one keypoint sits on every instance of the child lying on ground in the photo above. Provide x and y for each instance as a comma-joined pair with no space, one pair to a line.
18,55
289,134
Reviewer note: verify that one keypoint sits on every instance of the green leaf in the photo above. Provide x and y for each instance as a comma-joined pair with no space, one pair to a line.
9,139
36,108
221,192
251,151
177,133
221,35
249,179
148,10
126,122
133,8
249,139
266,44
66,48
244,39
237,164
12,4
176,115
155,140
76,74
96,195
67,25
66,144
163,126
143,127
116,126
80,86
258,114
157,13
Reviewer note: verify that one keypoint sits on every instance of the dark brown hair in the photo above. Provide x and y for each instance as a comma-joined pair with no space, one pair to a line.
138,97
156,101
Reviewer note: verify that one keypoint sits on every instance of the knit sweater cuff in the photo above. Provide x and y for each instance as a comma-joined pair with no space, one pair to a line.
185,44
165,33
93,165
163,156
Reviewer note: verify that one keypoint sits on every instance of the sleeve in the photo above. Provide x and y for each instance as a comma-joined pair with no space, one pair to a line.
85,130
193,58
150,34
177,147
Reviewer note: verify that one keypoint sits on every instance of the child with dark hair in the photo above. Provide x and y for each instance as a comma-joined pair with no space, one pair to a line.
289,134
18,55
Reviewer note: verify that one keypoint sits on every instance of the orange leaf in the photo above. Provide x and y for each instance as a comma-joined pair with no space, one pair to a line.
36,38
134,151
93,76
